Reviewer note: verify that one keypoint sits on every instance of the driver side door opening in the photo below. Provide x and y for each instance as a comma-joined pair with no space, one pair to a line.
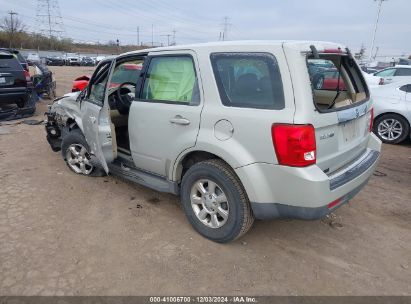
122,89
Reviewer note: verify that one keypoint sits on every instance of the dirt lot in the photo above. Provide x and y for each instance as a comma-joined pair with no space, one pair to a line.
64,234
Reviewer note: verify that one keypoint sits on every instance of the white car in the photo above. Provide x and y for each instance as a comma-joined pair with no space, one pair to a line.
392,111
33,57
394,74
373,81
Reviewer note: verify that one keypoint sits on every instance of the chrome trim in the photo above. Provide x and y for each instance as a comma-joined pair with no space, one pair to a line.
352,113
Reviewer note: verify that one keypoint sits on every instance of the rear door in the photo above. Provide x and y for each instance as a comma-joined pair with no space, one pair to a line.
165,117
95,116
341,115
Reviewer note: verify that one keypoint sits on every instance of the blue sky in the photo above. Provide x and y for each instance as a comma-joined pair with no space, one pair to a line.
347,21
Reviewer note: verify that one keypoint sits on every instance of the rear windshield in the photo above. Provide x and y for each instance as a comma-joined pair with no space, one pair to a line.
336,81
9,62
248,80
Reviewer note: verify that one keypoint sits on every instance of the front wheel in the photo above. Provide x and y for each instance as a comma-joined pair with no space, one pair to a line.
391,128
215,201
77,154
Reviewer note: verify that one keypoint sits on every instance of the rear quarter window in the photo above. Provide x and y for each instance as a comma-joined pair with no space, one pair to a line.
248,80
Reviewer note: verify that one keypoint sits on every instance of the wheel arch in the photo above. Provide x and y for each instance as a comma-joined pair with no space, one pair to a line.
191,157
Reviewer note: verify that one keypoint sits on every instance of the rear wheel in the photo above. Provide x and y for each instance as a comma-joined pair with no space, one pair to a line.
391,128
215,201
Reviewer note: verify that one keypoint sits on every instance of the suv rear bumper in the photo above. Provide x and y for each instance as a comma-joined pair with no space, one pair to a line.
11,96
305,193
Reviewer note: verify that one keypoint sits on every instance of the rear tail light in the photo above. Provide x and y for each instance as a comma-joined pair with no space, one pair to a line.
381,81
371,119
27,76
294,145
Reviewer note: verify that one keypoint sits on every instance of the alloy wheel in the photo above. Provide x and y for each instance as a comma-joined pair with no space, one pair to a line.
78,159
390,129
209,203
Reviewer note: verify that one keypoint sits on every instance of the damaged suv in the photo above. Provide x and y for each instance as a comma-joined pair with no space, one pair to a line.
237,129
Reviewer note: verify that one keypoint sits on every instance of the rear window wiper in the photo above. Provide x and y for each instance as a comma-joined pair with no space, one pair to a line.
338,86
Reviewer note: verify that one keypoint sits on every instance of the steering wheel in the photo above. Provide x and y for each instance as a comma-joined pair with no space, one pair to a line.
123,100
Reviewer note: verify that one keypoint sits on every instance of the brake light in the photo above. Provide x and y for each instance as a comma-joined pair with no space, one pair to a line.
294,145
371,118
27,76
333,51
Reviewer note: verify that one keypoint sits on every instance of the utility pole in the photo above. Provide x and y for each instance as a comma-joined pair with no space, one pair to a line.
152,35
174,37
226,25
138,35
375,27
12,29
49,22
168,38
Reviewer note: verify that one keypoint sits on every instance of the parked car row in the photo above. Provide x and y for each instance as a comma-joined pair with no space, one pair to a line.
70,59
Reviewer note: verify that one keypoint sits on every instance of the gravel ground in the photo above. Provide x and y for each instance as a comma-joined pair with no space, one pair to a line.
64,234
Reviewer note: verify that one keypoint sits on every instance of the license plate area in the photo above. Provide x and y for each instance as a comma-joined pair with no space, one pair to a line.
6,80
350,131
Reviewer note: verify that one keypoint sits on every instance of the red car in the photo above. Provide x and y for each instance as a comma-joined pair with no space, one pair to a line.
124,73
80,83
328,80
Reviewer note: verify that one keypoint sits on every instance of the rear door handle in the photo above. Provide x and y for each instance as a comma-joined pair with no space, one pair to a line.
179,120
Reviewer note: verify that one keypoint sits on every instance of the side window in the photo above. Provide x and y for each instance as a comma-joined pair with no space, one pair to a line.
406,88
403,72
248,80
98,84
171,79
386,73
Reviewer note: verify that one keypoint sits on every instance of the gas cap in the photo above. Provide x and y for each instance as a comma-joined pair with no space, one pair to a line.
223,130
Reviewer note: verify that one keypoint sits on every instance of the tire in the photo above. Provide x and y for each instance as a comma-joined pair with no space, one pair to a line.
236,206
22,102
75,139
400,128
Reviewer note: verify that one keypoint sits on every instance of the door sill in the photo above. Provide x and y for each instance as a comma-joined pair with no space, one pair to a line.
124,167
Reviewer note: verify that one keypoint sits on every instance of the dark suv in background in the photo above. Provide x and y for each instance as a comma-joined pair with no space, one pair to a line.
18,56
15,81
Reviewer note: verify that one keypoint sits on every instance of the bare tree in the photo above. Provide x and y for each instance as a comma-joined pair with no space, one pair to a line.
11,25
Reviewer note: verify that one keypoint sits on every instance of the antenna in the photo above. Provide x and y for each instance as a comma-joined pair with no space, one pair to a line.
375,27
49,22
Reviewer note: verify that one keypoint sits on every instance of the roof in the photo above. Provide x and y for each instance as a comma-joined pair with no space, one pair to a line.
296,44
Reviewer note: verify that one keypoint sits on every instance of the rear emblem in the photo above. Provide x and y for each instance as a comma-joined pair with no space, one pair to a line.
327,135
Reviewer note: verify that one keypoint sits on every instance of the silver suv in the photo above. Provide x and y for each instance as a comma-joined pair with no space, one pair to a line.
240,130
